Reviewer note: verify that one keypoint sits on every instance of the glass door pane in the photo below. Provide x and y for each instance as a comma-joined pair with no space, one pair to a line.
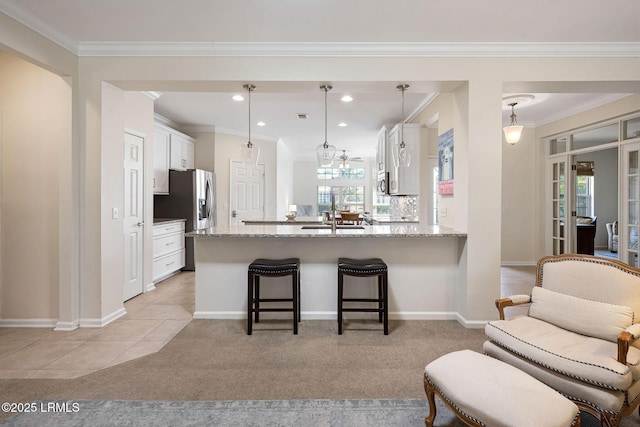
631,216
558,204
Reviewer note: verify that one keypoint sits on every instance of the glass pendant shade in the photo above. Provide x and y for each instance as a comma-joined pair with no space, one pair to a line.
325,153
249,152
401,152
513,132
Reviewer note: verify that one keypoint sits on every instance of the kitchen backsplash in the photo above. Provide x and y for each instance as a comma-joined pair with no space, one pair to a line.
404,207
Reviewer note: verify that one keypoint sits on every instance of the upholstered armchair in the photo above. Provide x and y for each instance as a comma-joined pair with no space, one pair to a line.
612,230
580,335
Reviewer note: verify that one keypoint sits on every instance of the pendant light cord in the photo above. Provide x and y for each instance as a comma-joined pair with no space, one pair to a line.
249,88
326,90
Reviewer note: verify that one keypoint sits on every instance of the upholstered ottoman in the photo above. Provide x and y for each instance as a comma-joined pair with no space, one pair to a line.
483,391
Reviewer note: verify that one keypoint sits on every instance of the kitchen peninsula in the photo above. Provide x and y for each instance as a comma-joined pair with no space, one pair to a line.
424,270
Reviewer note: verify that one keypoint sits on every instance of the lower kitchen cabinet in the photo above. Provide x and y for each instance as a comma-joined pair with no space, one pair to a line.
168,248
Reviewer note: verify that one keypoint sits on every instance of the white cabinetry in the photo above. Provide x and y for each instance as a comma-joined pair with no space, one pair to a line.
161,140
168,249
381,152
182,152
404,181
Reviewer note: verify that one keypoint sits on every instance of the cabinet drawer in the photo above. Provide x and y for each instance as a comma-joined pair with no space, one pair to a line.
168,228
165,265
165,244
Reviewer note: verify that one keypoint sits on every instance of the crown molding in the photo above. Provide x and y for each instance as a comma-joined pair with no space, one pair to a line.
627,49
23,16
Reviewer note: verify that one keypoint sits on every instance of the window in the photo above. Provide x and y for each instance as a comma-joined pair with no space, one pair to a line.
346,173
584,195
347,197
381,205
346,187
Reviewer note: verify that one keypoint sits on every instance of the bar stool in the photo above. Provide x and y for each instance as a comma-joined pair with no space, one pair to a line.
273,268
364,268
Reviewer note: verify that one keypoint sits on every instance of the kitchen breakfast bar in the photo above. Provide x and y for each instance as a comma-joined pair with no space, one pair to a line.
424,263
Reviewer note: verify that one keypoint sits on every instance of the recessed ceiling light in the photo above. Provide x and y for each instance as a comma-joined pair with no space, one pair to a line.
237,98
342,124
261,124
346,98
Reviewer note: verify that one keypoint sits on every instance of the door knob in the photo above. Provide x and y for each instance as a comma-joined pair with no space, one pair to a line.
140,224
234,214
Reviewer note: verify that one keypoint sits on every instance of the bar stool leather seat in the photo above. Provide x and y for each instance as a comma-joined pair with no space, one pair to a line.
364,268
273,268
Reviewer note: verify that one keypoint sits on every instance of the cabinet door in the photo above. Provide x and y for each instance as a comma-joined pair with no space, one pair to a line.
177,161
160,161
188,153
393,171
404,180
409,178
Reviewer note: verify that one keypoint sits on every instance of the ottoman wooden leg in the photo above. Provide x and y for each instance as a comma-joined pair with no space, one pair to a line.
430,392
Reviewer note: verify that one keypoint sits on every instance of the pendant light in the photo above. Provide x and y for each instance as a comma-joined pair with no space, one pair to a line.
249,151
402,152
513,132
325,152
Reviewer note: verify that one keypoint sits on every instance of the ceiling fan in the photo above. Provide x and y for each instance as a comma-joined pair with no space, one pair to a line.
344,160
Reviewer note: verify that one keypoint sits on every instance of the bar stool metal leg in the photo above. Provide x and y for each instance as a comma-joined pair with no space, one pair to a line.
249,302
340,290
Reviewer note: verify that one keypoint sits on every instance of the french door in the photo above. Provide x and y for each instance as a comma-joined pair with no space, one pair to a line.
559,210
628,231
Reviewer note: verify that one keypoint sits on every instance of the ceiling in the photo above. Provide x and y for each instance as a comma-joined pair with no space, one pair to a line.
85,26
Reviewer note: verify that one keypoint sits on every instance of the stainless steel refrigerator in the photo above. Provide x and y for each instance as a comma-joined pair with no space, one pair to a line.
191,196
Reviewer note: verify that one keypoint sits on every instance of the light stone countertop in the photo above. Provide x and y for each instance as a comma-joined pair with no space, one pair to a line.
380,231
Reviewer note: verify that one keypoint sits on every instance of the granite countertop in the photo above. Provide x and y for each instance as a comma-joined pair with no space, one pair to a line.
166,220
297,221
268,230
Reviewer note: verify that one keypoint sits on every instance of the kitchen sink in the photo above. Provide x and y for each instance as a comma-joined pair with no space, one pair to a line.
328,227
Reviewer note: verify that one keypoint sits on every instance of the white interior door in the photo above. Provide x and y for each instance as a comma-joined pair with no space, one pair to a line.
246,192
133,215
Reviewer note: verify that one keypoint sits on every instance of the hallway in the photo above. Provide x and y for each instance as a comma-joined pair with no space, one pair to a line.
152,320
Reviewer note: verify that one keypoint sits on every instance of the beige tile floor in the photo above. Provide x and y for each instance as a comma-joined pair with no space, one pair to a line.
152,320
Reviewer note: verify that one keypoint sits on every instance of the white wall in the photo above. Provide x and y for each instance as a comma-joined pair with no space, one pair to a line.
132,111
285,180
35,110
518,204
476,118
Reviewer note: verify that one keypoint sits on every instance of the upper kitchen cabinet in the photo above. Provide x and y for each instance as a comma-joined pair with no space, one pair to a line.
381,151
404,181
161,141
182,152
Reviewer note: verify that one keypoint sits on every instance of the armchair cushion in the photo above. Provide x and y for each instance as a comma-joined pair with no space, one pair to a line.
587,317
588,359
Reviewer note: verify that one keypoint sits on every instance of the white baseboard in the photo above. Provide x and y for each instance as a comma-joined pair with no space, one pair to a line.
150,287
518,263
67,326
27,323
100,323
327,315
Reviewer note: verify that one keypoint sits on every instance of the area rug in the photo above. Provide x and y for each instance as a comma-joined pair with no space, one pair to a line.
245,413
